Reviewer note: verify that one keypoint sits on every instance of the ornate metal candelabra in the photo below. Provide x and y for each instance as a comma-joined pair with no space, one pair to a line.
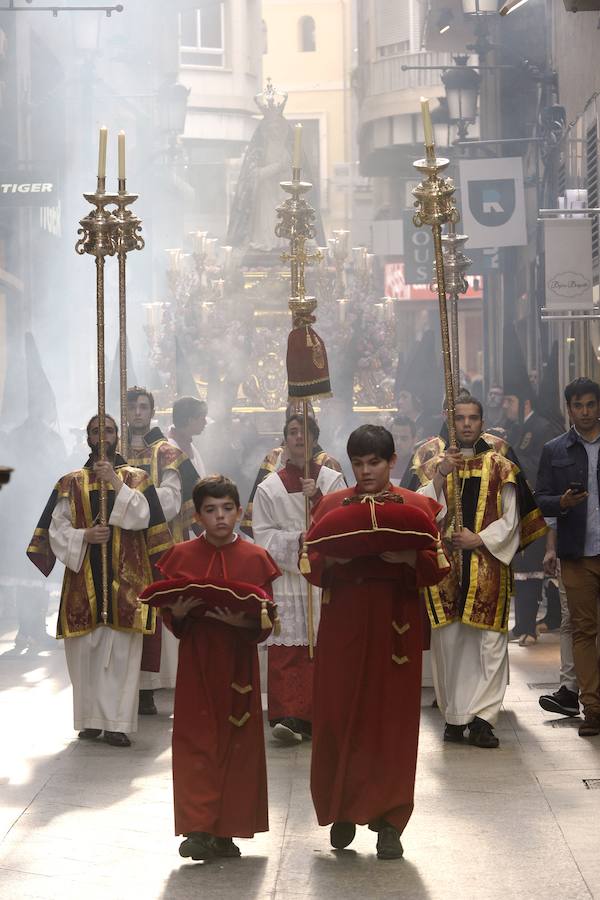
128,237
106,233
296,224
435,207
455,266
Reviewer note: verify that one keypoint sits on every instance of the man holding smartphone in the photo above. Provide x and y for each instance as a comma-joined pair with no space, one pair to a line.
568,489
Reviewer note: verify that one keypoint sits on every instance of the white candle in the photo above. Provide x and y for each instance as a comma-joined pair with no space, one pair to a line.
427,124
296,164
121,155
102,152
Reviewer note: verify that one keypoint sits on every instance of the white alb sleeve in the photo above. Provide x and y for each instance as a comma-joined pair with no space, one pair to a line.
67,543
169,494
131,510
502,537
284,546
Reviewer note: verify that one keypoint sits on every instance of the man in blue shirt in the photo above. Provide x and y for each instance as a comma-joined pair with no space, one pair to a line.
568,489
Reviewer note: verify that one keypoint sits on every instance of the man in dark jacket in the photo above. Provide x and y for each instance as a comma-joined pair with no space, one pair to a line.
568,489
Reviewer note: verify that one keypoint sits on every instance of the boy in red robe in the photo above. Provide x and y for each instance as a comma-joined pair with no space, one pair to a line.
219,770
367,682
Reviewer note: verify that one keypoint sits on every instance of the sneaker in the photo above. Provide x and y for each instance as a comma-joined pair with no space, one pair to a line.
197,845
590,727
527,640
341,834
388,843
482,735
287,732
224,847
563,701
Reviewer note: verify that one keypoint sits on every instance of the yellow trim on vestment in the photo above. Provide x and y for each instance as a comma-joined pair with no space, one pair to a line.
479,514
239,722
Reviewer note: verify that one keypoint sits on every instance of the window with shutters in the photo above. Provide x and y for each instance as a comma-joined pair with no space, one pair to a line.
591,163
398,27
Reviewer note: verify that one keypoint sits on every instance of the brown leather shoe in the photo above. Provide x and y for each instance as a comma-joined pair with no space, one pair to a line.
590,727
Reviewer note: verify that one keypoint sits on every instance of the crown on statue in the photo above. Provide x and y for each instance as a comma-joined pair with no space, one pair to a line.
271,100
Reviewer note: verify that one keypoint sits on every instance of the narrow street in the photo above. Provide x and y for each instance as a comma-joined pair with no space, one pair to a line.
91,821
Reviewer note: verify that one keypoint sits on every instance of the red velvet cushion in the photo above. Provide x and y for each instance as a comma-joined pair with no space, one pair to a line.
237,596
369,528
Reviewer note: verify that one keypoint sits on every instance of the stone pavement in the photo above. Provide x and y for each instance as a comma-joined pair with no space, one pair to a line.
89,821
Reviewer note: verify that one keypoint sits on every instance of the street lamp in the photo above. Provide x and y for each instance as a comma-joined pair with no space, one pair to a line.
172,107
462,88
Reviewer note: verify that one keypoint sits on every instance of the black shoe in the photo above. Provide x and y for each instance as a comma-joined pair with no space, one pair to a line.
287,731
341,834
225,847
562,701
305,729
117,739
89,734
198,845
388,843
146,704
590,726
454,734
482,735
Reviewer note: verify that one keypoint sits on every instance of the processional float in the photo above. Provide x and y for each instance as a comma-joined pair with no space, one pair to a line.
307,366
109,232
434,202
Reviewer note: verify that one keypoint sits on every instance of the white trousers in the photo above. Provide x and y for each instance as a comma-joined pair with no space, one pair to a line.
169,657
470,672
104,668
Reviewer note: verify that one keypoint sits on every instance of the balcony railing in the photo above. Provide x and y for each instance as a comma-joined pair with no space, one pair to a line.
382,76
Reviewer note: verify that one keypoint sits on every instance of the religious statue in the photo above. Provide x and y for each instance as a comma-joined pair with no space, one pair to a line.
267,162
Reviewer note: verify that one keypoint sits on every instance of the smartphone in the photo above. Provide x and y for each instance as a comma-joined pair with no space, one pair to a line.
576,487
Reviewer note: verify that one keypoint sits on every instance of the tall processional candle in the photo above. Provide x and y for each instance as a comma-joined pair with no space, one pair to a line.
297,146
121,173
103,139
427,123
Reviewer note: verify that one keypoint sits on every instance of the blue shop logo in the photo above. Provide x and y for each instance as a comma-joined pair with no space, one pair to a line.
492,203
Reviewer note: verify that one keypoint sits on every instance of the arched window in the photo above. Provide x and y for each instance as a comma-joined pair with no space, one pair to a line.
306,35
265,36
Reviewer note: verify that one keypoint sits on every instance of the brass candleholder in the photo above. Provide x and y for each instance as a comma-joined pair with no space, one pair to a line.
98,239
435,207
296,224
128,229
455,266
106,233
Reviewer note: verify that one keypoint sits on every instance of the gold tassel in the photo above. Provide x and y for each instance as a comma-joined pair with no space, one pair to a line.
441,556
277,625
325,597
304,561
265,622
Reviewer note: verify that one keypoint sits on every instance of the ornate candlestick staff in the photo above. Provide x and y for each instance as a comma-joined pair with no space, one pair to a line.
308,372
435,207
455,266
98,239
128,237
